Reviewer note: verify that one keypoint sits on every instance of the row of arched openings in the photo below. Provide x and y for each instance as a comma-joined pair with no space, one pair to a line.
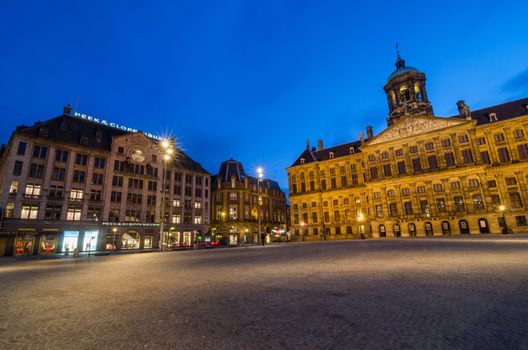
463,227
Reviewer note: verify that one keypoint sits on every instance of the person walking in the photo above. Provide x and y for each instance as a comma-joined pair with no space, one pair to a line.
263,238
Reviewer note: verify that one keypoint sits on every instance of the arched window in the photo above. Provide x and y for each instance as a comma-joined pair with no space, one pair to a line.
405,94
382,231
446,228
412,229
418,92
428,228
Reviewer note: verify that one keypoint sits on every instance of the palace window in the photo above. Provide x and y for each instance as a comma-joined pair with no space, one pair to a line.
387,170
21,151
390,193
450,159
492,183
401,168
499,137
485,157
40,152
17,169
473,183
36,171
478,203
420,189
413,149
504,155
446,142
511,181
398,152
515,199
523,151
440,205
433,163
408,208
61,156
459,203
438,187
74,213
463,139
429,146
406,192
455,185
481,141
519,133
417,165
467,156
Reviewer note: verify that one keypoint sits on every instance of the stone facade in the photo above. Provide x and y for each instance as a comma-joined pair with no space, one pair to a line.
423,175
70,183
235,198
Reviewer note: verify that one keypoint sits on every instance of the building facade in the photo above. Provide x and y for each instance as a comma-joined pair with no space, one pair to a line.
71,182
235,206
422,175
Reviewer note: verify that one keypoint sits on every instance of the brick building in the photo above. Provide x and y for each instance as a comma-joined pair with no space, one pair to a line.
78,182
423,175
235,198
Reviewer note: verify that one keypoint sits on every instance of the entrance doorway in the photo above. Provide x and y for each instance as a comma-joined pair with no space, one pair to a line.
464,227
412,230
446,228
483,225
397,231
428,228
382,231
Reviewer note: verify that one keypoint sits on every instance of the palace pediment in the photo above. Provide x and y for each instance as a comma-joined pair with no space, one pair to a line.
411,126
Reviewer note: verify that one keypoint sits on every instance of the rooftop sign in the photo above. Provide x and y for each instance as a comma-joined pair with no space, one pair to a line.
113,125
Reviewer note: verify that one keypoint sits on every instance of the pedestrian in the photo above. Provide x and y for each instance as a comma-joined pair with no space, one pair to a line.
263,239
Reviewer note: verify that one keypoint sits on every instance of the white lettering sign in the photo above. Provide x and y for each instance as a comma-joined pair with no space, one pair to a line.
113,125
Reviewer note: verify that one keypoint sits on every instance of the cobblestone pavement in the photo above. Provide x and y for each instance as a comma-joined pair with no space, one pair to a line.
431,293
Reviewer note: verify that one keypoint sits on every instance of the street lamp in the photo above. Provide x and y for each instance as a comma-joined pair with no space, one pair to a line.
502,218
361,228
167,151
260,173
302,231
114,231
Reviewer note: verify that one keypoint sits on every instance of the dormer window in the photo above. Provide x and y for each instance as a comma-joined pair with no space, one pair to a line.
98,136
84,141
492,117
331,155
43,131
302,160
351,150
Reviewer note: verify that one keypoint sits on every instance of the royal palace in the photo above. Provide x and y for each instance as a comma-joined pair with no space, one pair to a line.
422,175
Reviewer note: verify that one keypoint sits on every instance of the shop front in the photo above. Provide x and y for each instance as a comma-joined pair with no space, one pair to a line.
90,241
48,242
24,243
130,240
70,241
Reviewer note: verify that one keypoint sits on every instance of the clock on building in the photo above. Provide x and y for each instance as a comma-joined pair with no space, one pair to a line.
137,156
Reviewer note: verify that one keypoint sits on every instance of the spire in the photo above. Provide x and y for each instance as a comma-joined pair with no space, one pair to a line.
400,63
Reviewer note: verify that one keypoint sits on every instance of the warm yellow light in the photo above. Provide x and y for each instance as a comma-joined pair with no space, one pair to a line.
114,230
165,143
166,157
302,223
170,151
360,217
260,172
502,207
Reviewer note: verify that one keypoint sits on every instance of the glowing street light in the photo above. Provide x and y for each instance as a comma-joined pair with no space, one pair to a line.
260,174
167,150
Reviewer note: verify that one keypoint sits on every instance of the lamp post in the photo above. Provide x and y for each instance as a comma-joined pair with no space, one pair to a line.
361,228
167,150
114,231
259,179
502,218
302,231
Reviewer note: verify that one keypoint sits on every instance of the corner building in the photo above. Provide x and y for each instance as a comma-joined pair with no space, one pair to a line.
71,183
235,211
422,175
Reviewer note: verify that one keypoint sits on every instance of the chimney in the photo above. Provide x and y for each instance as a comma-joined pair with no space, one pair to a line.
308,144
369,132
67,110
320,145
362,137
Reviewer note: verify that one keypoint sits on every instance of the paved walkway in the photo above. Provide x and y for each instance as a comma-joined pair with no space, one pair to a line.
456,293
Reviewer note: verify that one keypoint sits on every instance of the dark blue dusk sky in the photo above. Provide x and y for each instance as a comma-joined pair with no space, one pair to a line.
252,80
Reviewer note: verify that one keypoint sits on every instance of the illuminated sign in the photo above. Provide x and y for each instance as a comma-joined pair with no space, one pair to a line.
139,224
113,125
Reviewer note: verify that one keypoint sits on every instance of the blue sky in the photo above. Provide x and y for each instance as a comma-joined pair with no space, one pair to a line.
252,80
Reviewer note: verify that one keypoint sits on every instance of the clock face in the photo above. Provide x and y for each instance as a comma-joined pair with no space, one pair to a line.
138,156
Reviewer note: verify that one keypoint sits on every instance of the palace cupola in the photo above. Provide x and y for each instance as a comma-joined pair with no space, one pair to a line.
406,92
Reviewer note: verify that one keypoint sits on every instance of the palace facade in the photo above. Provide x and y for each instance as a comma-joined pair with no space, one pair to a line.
235,206
71,183
422,175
